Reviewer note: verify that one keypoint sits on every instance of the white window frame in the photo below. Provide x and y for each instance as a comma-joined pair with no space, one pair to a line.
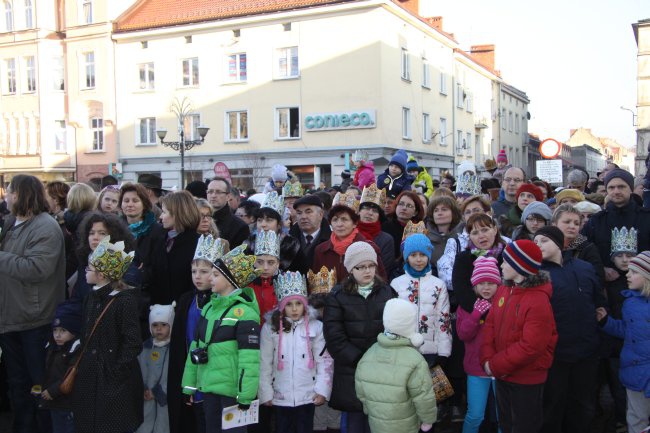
468,137
426,128
285,70
405,64
60,137
289,135
238,117
149,125
10,86
146,76
459,139
29,63
86,12
426,73
406,123
58,73
460,102
192,66
191,125
443,131
443,83
89,70
469,102
510,121
516,123
9,16
236,57
29,14
504,119
97,131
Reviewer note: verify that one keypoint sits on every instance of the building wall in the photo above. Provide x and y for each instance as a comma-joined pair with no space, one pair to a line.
513,125
642,29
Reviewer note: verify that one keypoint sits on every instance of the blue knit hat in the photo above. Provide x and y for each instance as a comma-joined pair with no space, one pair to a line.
417,243
399,159
412,164
537,208
68,317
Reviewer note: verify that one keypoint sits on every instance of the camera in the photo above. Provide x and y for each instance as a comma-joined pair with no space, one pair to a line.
199,355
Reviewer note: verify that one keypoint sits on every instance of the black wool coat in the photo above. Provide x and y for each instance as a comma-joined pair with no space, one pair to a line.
231,228
172,271
108,393
351,325
323,236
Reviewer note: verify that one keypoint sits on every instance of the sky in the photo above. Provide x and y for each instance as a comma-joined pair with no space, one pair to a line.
576,59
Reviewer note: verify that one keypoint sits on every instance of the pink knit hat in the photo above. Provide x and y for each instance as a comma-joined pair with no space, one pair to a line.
502,157
485,270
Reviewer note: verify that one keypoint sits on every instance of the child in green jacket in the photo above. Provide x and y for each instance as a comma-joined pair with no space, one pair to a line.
223,360
393,380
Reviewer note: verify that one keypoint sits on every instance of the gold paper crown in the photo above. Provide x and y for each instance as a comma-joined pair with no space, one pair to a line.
110,259
624,240
267,243
274,201
322,282
346,199
372,194
292,189
290,284
209,248
411,229
238,267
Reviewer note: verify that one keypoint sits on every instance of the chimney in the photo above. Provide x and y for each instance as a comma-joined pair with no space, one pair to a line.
484,54
435,22
411,5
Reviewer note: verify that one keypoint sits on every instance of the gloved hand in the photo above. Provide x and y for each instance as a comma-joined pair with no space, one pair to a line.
244,407
482,305
426,427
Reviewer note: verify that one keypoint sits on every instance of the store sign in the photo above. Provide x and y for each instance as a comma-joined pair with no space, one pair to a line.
341,120
550,170
221,170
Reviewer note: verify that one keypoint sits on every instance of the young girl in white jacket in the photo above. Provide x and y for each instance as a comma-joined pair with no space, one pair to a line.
430,295
295,368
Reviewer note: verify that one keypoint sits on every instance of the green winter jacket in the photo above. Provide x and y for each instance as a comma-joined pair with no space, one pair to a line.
424,178
394,384
233,348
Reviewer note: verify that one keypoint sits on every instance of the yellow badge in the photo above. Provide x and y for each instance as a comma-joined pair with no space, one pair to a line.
238,312
155,356
501,301
229,416
386,181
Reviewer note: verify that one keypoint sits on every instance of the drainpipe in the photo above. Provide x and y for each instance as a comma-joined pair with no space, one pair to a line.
453,122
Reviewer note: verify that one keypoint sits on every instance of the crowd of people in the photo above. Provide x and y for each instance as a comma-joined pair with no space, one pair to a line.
134,309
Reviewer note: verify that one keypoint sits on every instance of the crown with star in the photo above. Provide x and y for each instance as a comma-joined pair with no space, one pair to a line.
110,259
321,282
290,284
274,201
209,248
267,243
467,185
624,240
372,194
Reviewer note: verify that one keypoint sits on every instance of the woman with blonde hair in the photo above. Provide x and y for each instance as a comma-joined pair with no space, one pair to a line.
81,200
207,225
443,221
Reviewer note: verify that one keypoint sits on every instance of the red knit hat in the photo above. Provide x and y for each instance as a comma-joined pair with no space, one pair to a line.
533,189
502,157
524,256
485,270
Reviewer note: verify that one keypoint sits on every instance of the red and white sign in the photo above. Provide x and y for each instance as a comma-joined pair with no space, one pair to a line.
550,148
221,170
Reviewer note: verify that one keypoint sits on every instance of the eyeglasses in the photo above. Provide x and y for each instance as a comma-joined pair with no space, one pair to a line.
406,205
469,212
206,217
512,180
365,267
532,219
216,191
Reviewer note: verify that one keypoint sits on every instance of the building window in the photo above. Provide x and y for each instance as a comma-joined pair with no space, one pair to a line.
426,73
147,130
443,131
191,127
426,128
10,66
30,74
237,125
469,103
191,72
443,83
287,123
460,96
29,14
504,120
516,123
510,121
468,143
237,68
60,136
459,138
523,124
146,75
287,62
406,123
89,66
58,73
97,128
87,9
406,65
9,16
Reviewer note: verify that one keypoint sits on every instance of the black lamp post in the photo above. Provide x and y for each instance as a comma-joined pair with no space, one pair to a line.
182,109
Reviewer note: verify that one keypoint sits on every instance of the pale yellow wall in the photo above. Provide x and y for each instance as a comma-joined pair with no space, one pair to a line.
643,93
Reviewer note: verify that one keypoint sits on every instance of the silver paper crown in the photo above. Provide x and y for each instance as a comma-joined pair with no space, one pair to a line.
360,155
209,248
274,201
624,240
290,284
468,184
267,243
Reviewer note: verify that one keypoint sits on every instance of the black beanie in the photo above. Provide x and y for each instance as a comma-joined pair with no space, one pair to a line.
554,234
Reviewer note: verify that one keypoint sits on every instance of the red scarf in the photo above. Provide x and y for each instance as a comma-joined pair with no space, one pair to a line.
341,245
369,230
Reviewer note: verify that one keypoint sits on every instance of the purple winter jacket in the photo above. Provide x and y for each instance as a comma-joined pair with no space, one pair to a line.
470,329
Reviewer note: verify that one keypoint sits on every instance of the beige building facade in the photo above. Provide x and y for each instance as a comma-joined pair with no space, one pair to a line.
642,36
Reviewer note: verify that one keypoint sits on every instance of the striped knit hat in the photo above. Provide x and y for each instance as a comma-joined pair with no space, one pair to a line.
524,256
485,270
641,264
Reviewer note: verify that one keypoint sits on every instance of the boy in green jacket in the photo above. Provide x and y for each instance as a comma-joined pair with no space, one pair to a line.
223,360
393,380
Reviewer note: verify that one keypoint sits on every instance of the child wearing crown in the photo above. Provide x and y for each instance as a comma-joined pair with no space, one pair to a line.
223,359
267,253
295,369
108,390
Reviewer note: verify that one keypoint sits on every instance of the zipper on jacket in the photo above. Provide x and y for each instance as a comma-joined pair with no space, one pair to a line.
505,308
241,379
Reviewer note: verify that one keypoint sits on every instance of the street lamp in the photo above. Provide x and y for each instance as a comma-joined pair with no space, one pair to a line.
633,115
182,109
